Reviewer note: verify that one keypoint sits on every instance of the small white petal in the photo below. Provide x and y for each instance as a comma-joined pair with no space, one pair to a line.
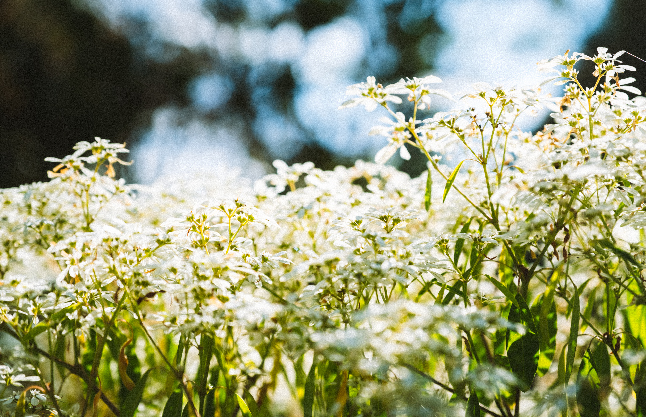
430,79
403,152
385,153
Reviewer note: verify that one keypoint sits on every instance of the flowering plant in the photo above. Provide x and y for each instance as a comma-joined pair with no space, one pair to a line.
506,282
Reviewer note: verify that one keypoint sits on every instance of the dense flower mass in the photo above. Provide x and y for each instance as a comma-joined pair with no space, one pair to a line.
507,281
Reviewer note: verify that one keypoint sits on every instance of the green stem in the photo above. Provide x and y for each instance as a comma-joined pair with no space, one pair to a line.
176,373
75,369
445,387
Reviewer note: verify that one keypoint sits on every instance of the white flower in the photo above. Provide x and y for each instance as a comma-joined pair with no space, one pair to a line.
370,95
398,135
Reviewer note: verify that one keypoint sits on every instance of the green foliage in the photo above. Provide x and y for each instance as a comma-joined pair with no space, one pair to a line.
210,300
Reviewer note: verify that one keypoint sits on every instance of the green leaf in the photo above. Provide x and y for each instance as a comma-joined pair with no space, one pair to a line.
59,352
547,319
589,307
440,295
87,358
243,407
473,406
300,374
330,372
574,334
560,380
522,171
209,406
460,243
523,359
450,180
626,256
308,396
547,329
636,317
180,350
173,407
640,389
453,291
114,343
20,405
205,353
520,313
587,396
503,289
526,314
254,408
36,330
131,402
601,362
61,314
427,194
501,335
611,306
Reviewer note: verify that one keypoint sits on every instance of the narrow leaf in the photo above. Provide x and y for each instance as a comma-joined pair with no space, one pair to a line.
601,362
209,406
460,243
243,407
574,334
544,324
626,256
342,394
300,375
561,369
503,289
636,317
62,313
308,396
36,330
440,295
59,352
180,350
427,194
523,359
206,352
526,314
547,329
640,389
589,308
254,408
473,406
453,291
587,396
173,407
123,366
449,182
133,399
20,405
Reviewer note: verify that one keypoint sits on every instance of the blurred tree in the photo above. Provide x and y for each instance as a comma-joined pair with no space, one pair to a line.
622,31
65,77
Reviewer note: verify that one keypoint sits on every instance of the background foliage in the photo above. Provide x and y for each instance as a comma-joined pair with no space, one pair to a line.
67,75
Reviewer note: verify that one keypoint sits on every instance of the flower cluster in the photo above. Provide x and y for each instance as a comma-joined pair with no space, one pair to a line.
512,273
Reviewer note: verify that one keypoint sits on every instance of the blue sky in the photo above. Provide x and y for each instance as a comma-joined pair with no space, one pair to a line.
497,41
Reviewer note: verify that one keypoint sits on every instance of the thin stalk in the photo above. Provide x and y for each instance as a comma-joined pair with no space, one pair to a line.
75,369
178,375
421,147
446,387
